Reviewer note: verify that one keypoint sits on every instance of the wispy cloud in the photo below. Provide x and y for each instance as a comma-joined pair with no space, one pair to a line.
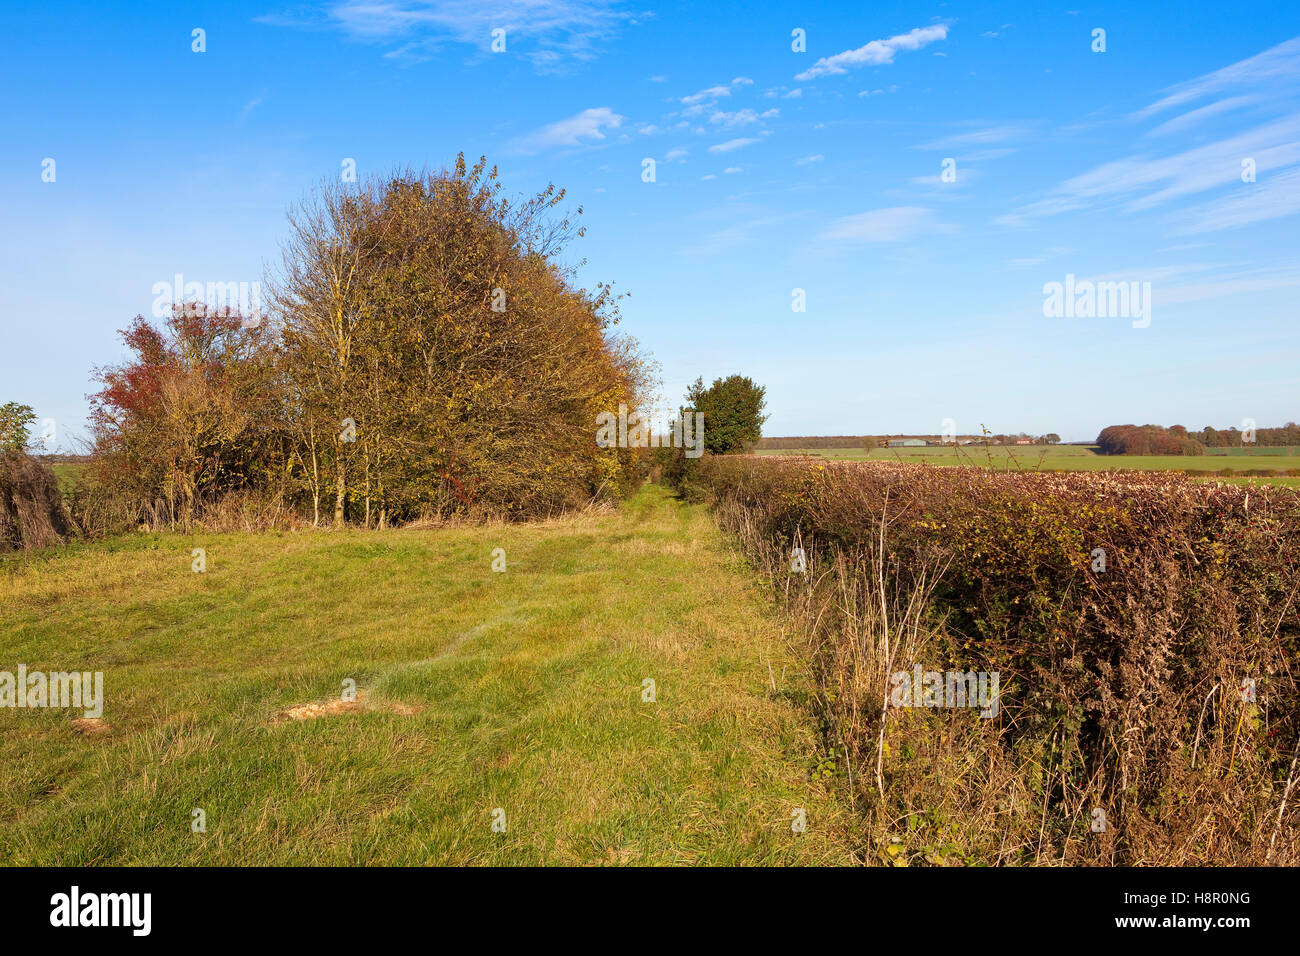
1143,182
893,224
706,102
583,129
1198,281
254,103
738,118
1277,67
1271,197
547,32
712,93
732,144
1039,259
730,236
875,53
1239,282
1186,121
978,137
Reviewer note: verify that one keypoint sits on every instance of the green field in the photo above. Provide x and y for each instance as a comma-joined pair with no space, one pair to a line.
1073,458
67,473
519,690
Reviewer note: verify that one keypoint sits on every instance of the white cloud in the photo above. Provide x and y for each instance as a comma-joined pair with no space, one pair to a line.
1039,259
253,104
554,30
579,130
731,144
730,236
732,169
1270,197
738,118
1143,182
712,93
705,102
1196,282
675,154
892,224
1276,66
1187,120
979,137
875,53
809,159
1232,283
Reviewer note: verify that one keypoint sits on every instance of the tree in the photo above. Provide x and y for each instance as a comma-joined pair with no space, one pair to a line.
191,416
1052,438
733,412
319,295
434,314
1145,440
15,426
426,354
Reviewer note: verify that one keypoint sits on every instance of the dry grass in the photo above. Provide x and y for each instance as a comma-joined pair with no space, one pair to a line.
476,690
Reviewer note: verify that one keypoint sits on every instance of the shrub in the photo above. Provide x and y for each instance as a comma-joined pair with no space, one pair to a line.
32,514
733,413
1121,688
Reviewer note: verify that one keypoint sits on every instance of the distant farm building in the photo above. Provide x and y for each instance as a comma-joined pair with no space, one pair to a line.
907,443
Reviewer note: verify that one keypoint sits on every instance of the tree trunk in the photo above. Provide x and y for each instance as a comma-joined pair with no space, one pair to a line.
367,492
315,483
340,483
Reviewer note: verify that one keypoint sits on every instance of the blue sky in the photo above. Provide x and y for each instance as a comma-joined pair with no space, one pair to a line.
775,170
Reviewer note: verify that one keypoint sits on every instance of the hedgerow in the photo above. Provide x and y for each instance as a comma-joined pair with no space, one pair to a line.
1144,627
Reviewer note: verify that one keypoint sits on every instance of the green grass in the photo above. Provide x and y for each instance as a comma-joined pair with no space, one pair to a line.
1067,458
1283,481
1254,451
67,473
519,690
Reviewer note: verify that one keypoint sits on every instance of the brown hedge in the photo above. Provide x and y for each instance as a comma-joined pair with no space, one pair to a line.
32,513
1108,677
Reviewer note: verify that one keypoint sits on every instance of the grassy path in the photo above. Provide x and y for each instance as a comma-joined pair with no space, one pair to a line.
478,690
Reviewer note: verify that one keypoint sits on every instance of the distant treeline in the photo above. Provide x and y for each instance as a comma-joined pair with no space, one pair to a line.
821,441
1288,435
875,441
1177,440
